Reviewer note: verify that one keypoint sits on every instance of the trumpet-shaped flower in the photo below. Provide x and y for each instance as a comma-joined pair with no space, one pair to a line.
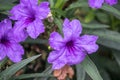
98,3
9,45
29,15
72,48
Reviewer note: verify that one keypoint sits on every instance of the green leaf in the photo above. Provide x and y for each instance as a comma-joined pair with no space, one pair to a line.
52,3
59,4
46,73
59,24
80,72
36,41
6,4
116,55
112,10
33,75
105,7
103,17
94,25
91,69
76,5
3,62
10,71
59,12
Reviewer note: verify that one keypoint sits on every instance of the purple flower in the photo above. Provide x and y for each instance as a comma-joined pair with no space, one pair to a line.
71,49
98,3
29,15
9,45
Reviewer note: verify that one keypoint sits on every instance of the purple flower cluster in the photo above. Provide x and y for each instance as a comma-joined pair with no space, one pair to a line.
9,45
98,3
28,16
71,49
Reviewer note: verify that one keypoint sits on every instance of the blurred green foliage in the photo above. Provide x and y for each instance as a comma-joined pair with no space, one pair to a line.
103,22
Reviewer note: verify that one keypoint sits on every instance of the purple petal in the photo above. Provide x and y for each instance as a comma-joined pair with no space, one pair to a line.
54,55
57,58
56,40
58,64
111,2
19,32
35,28
29,2
95,3
66,29
43,10
15,52
75,57
88,42
71,28
2,52
64,56
76,27
5,26
19,12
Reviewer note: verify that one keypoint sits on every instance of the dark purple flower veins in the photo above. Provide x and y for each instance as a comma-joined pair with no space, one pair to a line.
30,19
31,16
70,45
4,40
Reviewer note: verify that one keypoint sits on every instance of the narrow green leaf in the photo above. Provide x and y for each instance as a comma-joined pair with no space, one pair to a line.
3,62
10,71
33,75
112,10
59,4
77,4
91,69
59,24
6,4
52,3
36,41
105,7
105,74
80,72
117,56
59,12
94,25
45,73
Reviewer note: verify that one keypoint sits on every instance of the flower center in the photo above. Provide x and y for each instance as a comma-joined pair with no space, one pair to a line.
29,20
70,45
4,40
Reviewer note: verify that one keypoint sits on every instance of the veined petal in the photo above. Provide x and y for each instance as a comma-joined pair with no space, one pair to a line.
95,3
35,28
71,28
56,41
76,27
76,56
5,25
64,56
28,2
19,12
2,52
18,31
59,60
66,29
58,64
111,2
43,10
15,52
88,42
